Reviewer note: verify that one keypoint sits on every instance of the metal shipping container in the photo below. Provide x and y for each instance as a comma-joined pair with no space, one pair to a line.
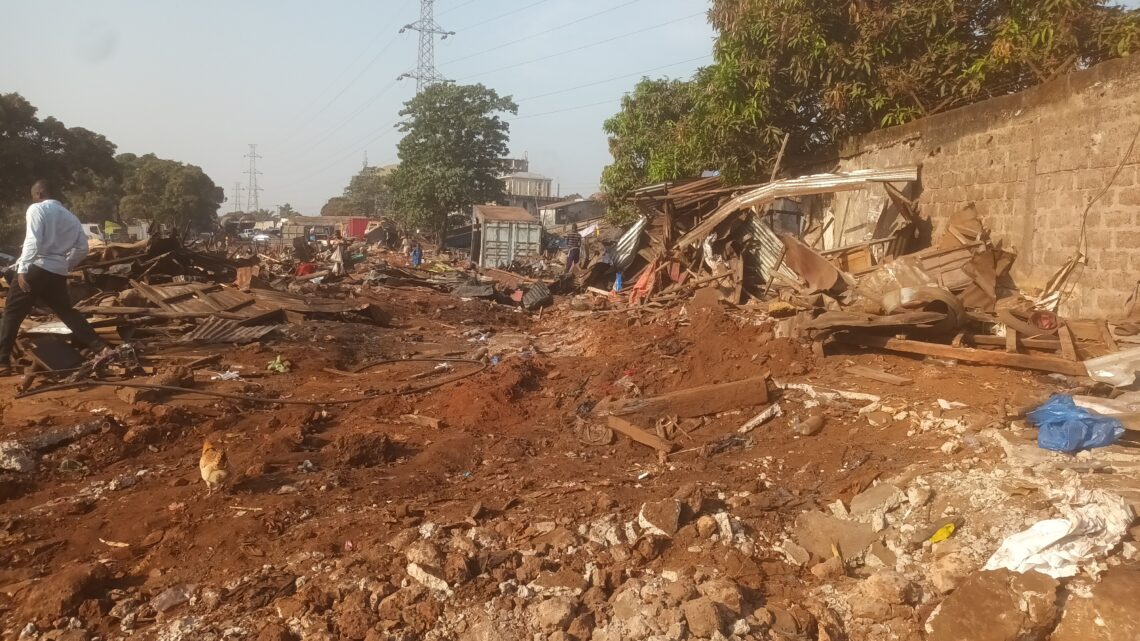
504,234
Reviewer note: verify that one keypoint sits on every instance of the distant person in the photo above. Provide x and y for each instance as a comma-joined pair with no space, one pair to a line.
54,244
573,247
406,247
338,243
417,255
302,250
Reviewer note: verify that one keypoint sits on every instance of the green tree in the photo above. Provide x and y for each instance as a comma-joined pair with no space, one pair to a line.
647,142
451,154
170,192
823,70
79,161
336,206
369,192
286,211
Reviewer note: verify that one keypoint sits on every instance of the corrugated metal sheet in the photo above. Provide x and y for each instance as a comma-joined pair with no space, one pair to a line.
629,243
220,330
768,248
803,186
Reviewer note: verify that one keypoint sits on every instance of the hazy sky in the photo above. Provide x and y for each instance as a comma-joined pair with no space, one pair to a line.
313,84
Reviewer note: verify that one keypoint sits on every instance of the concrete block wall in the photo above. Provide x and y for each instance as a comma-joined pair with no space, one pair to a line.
1031,163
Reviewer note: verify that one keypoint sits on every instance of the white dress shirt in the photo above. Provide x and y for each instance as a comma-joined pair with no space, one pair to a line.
54,241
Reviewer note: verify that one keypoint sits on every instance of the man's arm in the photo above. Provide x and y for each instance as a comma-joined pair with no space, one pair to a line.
78,251
32,234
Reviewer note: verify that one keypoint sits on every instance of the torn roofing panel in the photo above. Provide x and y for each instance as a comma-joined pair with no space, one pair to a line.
220,330
803,186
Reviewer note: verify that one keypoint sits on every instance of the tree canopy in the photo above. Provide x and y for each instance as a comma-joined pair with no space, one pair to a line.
823,70
170,192
95,184
451,153
369,192
80,162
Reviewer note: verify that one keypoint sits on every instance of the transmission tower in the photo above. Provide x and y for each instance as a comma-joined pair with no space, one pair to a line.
237,196
426,74
251,203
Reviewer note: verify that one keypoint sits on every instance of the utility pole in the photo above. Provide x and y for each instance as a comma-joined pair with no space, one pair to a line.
251,191
237,196
426,74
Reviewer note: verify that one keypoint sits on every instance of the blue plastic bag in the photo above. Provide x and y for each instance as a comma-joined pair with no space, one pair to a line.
1064,427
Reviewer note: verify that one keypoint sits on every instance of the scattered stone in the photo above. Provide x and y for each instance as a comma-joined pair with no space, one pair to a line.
725,593
832,568
997,605
795,553
274,631
809,427
947,572
883,496
173,597
662,518
952,446
881,556
429,580
817,532
704,617
564,582
16,458
707,526
60,594
553,614
793,622
424,553
353,616
1110,615
362,449
918,495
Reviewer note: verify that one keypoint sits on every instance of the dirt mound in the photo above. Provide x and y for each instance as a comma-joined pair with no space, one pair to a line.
364,450
500,398
60,594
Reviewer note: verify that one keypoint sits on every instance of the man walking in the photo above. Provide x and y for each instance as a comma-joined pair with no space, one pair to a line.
573,247
54,244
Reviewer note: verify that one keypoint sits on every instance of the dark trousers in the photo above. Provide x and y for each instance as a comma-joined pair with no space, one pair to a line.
50,289
572,257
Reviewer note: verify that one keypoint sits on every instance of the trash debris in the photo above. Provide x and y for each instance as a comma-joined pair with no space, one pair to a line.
1064,427
1092,523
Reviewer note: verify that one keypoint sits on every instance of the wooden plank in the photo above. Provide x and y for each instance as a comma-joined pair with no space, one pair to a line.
987,340
968,355
878,375
636,433
698,401
1068,347
1010,340
152,294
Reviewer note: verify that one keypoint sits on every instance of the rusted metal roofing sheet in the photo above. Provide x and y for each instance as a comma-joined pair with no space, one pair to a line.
220,330
803,186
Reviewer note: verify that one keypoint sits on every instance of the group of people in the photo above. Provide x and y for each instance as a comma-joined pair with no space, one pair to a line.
413,251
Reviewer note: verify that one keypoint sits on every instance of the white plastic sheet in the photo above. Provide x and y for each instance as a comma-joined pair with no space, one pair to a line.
1092,522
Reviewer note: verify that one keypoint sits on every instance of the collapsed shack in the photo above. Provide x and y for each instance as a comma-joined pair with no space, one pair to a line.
792,249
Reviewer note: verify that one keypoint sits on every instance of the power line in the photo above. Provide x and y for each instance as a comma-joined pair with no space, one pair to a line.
504,15
601,82
586,46
558,111
350,117
348,86
458,6
542,33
